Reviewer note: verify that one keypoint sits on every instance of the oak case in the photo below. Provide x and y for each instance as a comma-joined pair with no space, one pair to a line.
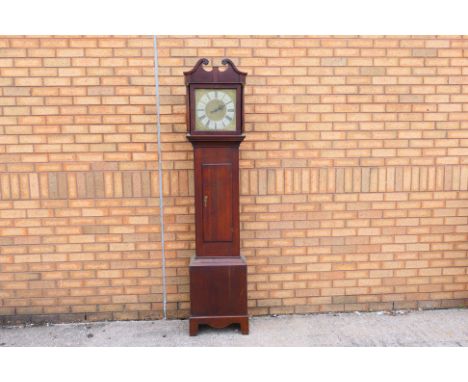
218,274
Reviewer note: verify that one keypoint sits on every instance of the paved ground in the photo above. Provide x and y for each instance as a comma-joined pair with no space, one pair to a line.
421,328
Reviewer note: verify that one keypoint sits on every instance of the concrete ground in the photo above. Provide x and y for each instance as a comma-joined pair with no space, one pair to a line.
417,328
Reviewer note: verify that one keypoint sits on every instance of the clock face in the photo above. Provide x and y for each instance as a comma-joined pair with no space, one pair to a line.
215,109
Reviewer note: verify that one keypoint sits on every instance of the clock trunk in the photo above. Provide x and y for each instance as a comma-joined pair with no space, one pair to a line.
217,198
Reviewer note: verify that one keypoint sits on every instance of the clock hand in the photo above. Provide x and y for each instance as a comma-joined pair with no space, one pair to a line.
217,109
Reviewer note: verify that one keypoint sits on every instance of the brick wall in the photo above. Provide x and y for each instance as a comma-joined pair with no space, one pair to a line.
79,206
354,174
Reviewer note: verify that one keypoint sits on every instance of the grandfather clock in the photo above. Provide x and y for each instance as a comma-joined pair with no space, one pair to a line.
218,274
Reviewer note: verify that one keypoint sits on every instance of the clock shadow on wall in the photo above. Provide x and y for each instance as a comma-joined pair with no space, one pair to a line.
218,274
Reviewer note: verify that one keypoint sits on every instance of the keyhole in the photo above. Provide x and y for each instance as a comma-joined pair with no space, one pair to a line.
205,200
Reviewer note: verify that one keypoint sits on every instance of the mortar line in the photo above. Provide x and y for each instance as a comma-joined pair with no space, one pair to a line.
161,198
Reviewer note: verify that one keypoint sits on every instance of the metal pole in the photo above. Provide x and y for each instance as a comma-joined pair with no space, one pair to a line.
161,200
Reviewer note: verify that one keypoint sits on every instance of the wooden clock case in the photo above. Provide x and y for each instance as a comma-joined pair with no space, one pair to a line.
218,274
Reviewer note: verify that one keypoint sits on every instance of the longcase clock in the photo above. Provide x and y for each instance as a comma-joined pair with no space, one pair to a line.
218,274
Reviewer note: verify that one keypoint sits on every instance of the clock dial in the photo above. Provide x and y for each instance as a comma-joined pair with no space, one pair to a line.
215,109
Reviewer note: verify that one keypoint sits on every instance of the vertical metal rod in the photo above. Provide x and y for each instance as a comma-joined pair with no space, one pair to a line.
161,200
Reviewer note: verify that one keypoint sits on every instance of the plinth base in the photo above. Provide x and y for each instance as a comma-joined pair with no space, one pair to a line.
218,292
219,322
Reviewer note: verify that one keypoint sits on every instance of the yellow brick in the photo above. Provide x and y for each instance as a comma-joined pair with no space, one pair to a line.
353,178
